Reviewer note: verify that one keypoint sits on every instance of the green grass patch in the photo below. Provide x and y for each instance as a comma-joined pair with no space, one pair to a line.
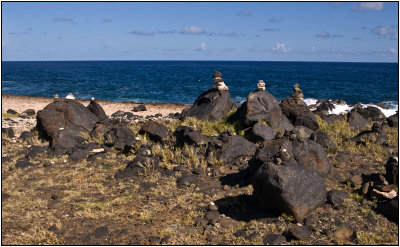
341,134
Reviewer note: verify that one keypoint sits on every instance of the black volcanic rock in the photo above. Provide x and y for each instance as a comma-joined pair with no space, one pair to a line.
289,188
261,105
211,105
298,113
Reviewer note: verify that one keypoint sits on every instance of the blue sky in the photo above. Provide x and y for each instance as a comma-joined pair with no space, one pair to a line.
265,31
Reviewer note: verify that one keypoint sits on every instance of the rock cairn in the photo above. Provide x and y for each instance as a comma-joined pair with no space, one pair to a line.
219,82
261,85
297,94
55,97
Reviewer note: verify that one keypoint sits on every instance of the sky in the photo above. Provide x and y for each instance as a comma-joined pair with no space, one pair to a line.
245,31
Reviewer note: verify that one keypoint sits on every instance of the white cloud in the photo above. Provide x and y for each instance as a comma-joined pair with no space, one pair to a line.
192,30
369,6
390,32
142,33
326,35
393,50
245,12
281,47
63,19
313,49
203,47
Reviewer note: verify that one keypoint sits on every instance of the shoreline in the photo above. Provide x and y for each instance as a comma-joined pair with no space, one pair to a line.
21,103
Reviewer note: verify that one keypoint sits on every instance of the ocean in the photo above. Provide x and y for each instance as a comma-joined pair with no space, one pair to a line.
183,81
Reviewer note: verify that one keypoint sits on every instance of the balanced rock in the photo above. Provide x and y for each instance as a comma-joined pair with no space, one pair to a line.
289,188
63,122
211,105
262,105
297,94
219,82
298,113
261,85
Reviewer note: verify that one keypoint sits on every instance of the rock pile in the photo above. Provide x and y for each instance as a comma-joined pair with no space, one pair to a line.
297,94
261,85
219,82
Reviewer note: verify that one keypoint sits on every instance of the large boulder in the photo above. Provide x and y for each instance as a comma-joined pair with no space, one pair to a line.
189,136
312,156
229,147
211,105
307,154
261,105
157,132
64,122
298,113
97,110
289,188
356,121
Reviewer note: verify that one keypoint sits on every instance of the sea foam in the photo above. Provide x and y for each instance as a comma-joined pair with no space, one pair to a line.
391,107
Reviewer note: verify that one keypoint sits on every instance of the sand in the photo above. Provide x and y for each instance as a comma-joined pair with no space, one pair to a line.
22,103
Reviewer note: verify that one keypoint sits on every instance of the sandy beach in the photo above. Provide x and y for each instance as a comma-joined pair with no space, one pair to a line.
22,103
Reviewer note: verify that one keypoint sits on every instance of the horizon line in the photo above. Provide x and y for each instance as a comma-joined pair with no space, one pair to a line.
184,60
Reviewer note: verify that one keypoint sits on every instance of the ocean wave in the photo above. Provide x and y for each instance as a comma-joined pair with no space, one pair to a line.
240,99
343,109
310,101
391,107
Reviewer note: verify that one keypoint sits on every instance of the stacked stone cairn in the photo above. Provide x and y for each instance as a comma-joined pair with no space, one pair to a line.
261,85
219,82
297,94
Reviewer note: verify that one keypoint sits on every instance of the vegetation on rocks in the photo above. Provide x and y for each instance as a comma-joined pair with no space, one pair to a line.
55,201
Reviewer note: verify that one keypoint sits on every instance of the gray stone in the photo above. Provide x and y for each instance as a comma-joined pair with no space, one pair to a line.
262,105
336,197
262,132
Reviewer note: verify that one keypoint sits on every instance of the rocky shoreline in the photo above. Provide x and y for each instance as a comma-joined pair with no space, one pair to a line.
216,172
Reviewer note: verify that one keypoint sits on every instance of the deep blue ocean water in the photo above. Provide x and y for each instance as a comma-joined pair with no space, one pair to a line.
183,81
